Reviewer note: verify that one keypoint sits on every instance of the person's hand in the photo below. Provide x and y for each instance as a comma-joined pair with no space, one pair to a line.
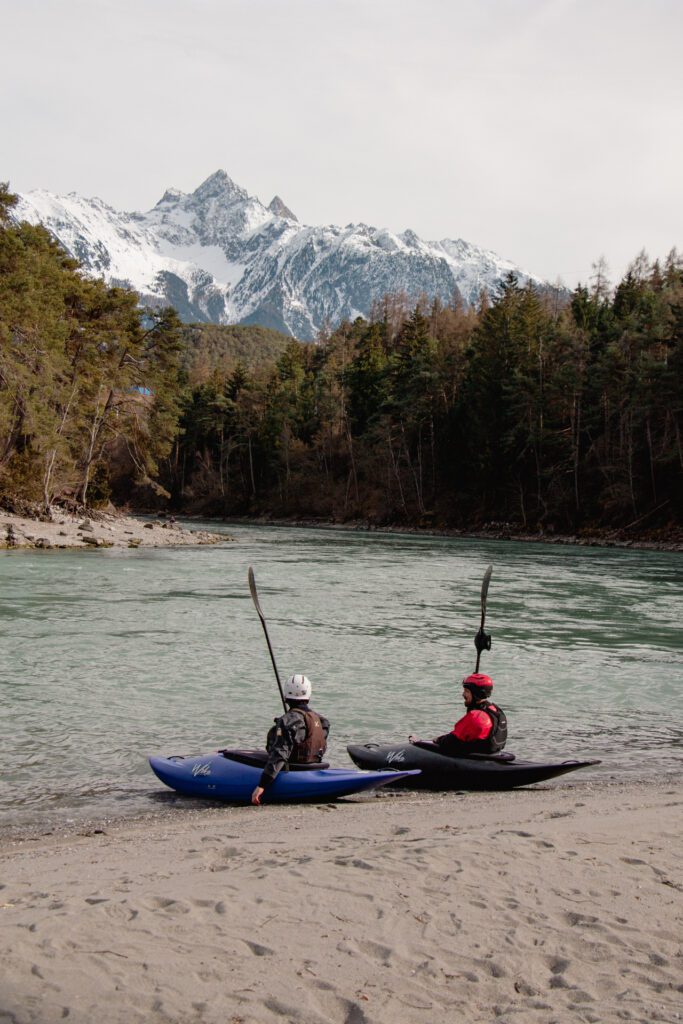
256,796
412,739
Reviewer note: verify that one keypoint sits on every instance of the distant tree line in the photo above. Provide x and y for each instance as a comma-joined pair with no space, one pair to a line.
544,415
538,412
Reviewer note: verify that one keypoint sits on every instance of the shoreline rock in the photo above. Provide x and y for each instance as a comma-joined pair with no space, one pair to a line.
96,530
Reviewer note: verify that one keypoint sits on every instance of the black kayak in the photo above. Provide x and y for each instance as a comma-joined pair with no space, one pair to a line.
476,771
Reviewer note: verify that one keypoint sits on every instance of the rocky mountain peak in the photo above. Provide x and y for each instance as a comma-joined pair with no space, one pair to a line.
220,185
279,208
409,237
171,195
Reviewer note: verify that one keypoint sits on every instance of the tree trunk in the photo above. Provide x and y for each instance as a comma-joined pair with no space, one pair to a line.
352,459
51,457
397,474
576,439
95,430
648,433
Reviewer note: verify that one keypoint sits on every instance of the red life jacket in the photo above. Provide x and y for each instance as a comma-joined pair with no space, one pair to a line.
485,726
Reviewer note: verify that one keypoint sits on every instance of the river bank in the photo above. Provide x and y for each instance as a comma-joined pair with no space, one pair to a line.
656,540
558,903
97,530
116,529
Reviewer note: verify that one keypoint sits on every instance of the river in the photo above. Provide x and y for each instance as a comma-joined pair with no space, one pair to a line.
111,655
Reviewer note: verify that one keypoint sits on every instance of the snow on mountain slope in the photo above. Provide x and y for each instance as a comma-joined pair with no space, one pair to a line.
121,248
219,255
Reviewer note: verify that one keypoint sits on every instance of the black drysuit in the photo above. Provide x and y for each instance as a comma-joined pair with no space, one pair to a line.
288,733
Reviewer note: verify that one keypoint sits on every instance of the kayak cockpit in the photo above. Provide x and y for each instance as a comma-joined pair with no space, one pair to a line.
258,758
503,756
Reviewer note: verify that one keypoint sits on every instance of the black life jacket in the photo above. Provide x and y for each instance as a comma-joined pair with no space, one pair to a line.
497,738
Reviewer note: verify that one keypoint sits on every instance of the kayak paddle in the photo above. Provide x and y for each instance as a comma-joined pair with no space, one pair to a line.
254,597
482,640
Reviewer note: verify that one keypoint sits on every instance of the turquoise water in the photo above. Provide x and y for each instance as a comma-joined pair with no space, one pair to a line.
111,655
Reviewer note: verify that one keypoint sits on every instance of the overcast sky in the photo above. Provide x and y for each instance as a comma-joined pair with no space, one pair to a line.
546,130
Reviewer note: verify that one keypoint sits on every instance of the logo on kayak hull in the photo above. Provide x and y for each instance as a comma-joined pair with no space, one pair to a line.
201,769
395,756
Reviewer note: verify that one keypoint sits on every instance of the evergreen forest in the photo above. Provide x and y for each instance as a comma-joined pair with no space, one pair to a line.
536,412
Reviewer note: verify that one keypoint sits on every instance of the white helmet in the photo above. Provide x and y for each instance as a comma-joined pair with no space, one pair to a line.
298,687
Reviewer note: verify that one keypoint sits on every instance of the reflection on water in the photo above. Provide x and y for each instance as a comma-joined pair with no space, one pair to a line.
110,655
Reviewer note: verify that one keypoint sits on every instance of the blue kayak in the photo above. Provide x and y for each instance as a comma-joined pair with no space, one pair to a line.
231,775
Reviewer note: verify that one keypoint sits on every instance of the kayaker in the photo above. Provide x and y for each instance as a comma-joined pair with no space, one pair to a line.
483,727
298,737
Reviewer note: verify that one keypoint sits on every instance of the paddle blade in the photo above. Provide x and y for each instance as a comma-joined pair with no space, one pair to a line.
482,640
254,595
485,587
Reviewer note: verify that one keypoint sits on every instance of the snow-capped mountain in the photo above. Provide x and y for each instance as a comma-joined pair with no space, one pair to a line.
219,255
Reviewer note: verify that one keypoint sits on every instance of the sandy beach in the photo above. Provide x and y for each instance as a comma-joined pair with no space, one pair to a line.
559,903
98,530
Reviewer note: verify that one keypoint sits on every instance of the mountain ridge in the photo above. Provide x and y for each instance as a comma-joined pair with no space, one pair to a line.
221,256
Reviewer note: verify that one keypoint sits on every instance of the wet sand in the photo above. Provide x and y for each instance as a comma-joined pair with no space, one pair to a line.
561,903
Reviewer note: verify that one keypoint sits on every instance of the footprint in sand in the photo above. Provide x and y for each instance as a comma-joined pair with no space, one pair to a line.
525,989
579,997
376,950
335,1007
257,949
169,906
231,852
585,920
353,862
281,1009
496,970
217,907
121,912
559,981
513,832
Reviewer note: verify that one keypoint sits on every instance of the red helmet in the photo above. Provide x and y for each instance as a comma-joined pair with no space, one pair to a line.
478,679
